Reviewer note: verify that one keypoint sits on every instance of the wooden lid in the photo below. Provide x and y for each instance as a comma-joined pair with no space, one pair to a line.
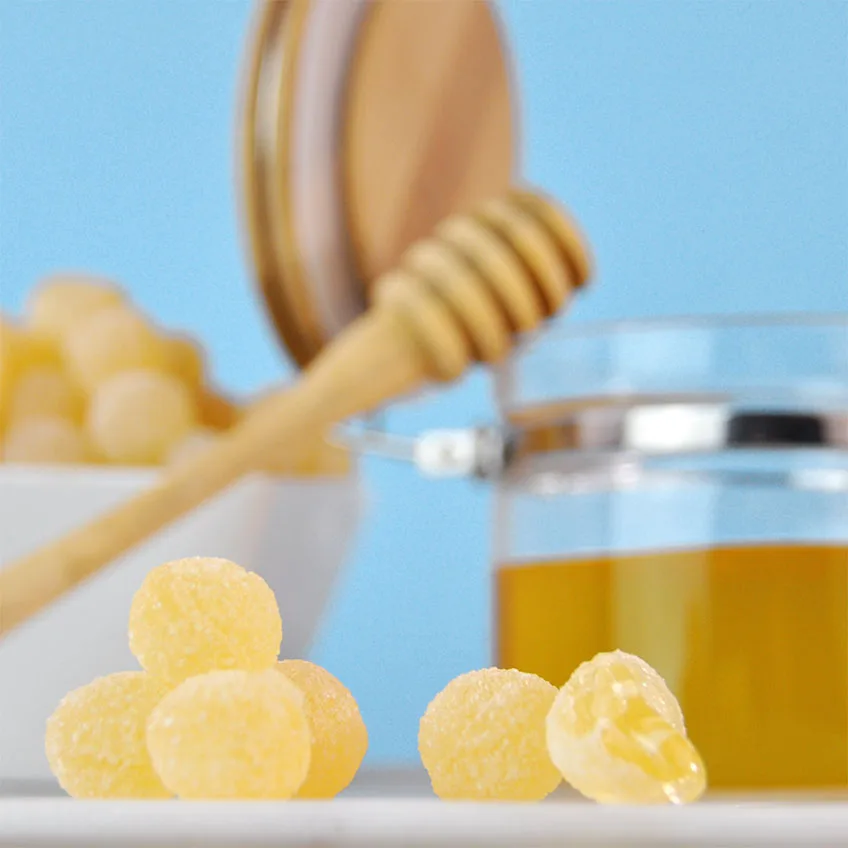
365,123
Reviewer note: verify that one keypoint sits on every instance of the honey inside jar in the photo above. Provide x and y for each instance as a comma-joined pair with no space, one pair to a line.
753,640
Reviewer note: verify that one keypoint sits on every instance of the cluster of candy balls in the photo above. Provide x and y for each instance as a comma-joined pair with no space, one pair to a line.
215,715
87,378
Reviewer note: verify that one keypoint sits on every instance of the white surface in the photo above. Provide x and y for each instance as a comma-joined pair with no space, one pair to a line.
417,823
395,809
278,528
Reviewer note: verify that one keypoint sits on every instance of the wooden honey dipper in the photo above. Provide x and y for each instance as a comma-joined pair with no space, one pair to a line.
457,297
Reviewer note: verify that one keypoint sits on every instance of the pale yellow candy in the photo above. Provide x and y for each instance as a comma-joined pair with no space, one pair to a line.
114,340
185,360
8,366
46,441
339,735
136,417
61,302
202,614
21,351
482,738
46,392
617,735
96,739
230,735
22,348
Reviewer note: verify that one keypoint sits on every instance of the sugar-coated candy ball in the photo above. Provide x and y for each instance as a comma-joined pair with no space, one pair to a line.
231,734
38,350
616,734
96,738
46,391
339,735
45,440
204,614
114,340
483,738
136,417
60,303
22,348
8,366
20,351
185,360
193,445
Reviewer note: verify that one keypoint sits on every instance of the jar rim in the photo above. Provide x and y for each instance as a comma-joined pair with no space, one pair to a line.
790,359
711,321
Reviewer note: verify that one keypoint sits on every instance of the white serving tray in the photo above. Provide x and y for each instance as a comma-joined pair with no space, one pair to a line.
394,810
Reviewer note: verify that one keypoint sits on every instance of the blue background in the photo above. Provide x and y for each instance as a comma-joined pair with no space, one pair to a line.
703,145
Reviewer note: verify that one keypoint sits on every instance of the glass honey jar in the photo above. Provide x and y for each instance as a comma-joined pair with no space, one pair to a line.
679,490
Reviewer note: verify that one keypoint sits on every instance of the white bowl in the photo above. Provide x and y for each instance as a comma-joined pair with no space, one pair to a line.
295,533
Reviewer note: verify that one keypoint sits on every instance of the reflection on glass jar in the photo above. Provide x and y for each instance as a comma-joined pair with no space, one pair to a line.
680,491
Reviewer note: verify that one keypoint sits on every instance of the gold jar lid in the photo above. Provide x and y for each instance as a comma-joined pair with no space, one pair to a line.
364,124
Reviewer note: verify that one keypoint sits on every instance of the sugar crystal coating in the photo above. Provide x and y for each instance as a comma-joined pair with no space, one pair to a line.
137,417
617,735
45,440
483,737
231,734
111,341
60,303
339,735
95,739
203,614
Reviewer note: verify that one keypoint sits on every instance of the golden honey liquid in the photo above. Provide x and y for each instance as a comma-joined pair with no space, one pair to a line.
753,640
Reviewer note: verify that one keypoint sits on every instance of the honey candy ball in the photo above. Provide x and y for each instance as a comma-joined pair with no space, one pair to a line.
22,348
112,341
616,734
46,392
339,735
95,740
137,417
483,738
185,360
47,441
38,350
21,351
227,735
8,366
204,614
60,303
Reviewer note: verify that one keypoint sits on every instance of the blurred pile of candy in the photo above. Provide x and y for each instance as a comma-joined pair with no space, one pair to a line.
87,378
